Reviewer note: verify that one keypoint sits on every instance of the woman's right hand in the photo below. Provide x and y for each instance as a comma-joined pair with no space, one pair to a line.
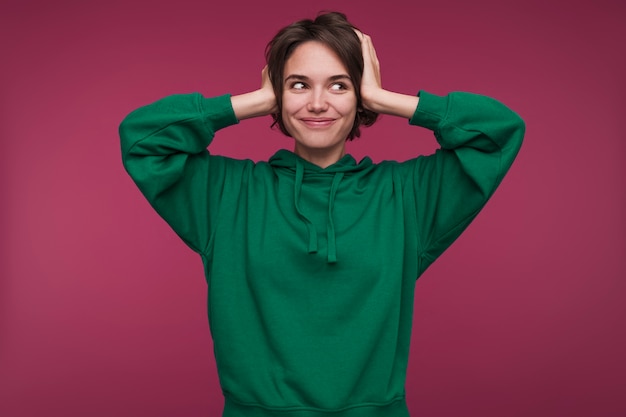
266,87
261,102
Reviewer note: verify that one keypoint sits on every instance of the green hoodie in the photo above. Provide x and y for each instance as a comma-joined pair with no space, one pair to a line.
311,271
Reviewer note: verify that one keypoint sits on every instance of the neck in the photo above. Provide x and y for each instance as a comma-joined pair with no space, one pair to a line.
323,158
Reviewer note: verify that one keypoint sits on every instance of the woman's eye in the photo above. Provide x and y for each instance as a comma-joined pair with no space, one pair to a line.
298,85
338,87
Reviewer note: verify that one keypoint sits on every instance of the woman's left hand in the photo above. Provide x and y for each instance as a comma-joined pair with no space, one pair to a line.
373,96
371,83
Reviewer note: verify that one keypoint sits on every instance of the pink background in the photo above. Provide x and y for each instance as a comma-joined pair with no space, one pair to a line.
103,309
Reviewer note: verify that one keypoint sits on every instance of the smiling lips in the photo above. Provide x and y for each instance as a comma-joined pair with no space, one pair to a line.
315,122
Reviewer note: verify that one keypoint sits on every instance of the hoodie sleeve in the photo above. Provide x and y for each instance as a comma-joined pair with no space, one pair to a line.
164,151
479,138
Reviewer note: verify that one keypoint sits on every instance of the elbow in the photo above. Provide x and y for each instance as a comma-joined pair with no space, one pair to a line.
129,136
513,132
519,125
514,135
124,133
518,131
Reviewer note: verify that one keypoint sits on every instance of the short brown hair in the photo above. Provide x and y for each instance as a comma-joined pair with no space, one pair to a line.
334,31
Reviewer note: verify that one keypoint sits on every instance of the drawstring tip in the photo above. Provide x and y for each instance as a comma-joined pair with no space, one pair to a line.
312,240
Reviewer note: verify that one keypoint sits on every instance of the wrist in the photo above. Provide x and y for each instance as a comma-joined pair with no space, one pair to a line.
254,104
388,102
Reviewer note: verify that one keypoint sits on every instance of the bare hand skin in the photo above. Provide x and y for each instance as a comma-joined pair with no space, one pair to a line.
374,97
261,102
371,84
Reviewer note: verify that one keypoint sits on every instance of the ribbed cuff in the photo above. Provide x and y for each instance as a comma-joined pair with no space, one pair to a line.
218,111
431,110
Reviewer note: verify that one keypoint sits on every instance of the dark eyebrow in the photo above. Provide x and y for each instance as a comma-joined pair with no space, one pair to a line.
299,77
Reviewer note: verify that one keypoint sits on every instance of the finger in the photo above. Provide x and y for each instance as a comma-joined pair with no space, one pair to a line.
359,34
265,75
370,57
370,48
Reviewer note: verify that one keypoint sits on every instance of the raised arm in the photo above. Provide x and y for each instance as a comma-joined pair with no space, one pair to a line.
261,102
164,149
479,137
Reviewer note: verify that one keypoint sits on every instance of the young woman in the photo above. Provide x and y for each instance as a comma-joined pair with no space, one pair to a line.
311,258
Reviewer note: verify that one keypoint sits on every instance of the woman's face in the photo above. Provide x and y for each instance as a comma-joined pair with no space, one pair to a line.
319,103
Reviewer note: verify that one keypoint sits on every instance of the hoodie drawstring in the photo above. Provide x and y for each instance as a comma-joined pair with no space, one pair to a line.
332,244
309,224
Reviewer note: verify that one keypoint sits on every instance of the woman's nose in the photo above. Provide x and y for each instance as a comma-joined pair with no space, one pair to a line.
318,102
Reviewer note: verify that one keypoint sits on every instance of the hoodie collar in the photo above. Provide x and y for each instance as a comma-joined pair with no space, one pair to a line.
287,159
301,168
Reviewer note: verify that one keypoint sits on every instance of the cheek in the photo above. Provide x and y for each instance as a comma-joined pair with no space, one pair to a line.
347,107
291,104
288,110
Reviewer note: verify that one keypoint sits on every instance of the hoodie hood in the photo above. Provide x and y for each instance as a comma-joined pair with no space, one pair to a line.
287,159
301,168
